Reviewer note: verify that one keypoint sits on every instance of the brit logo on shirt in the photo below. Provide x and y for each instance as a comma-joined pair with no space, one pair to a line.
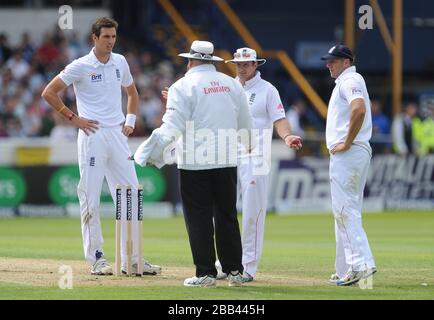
118,74
252,98
95,77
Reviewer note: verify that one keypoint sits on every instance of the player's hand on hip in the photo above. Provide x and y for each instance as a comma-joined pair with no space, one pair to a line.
293,142
88,126
127,130
340,147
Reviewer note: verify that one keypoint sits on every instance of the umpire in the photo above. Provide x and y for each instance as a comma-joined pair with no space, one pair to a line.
199,106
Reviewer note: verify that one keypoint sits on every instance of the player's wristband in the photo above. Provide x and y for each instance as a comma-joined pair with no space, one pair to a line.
61,109
130,120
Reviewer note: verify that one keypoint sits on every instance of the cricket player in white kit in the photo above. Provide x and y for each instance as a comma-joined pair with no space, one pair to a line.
267,110
348,131
103,151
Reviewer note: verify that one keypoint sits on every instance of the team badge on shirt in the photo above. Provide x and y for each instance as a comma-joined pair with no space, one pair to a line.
355,91
252,98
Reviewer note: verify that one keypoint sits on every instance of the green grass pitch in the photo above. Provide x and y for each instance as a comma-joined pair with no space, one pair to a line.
298,258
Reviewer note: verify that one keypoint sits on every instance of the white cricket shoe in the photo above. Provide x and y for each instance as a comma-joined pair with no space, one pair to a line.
101,268
148,269
235,279
370,272
334,278
151,269
205,281
220,274
247,277
350,278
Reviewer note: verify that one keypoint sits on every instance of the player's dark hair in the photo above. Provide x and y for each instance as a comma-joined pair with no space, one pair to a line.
103,22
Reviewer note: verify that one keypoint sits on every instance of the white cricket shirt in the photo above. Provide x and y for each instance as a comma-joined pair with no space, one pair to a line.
209,101
265,107
350,85
97,87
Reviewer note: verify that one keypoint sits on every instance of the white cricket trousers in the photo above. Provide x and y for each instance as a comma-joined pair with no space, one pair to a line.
253,190
104,154
348,173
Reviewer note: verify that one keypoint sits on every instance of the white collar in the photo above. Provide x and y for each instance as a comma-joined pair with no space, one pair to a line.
251,83
349,70
96,63
201,68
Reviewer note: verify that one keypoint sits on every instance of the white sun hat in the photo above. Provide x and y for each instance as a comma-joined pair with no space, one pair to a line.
244,55
201,50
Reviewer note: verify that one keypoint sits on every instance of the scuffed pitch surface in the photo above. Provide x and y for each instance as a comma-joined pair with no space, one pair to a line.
45,273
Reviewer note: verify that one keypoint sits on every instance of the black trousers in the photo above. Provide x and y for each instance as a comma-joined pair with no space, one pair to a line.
208,194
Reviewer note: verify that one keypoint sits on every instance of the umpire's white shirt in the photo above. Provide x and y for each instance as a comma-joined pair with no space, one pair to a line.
212,101
199,106
97,87
350,85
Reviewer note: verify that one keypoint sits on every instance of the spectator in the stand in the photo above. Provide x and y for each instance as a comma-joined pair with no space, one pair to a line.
380,128
151,109
294,114
5,50
27,47
423,130
48,53
146,62
14,127
32,120
10,115
7,83
23,94
64,58
380,122
143,80
75,48
18,66
47,123
3,132
35,79
132,59
13,108
402,130
57,35
164,75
